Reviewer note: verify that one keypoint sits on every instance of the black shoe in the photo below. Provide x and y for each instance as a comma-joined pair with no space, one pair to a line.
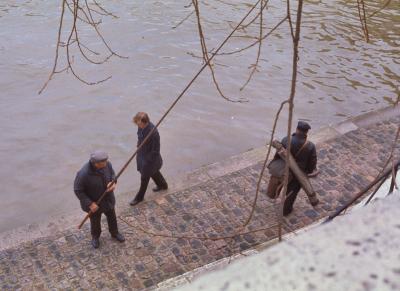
158,189
119,237
95,243
135,201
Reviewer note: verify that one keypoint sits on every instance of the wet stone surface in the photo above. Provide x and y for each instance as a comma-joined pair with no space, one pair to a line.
213,209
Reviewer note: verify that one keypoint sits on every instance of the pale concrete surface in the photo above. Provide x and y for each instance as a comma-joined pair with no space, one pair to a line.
357,251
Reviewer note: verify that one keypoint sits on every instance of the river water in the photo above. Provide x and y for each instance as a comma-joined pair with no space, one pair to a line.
46,138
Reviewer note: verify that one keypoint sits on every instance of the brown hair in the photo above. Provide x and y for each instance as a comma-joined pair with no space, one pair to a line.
141,116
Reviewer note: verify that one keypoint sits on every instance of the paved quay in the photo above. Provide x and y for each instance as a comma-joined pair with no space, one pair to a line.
215,204
354,252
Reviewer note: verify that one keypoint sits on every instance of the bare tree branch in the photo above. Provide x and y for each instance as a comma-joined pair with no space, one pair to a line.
296,41
206,57
255,65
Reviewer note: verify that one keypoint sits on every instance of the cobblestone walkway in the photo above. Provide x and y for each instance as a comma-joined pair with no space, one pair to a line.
214,208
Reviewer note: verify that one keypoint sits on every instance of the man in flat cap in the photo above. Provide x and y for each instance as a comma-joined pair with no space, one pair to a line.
149,161
305,154
91,182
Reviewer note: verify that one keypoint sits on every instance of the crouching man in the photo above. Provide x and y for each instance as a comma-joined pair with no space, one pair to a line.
91,182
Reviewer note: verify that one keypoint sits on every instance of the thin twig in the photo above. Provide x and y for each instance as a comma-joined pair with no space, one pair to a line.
83,14
206,57
183,20
255,65
53,72
257,41
363,19
386,4
244,26
212,238
107,13
289,18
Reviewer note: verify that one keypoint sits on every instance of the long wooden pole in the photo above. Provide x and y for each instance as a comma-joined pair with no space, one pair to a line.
170,108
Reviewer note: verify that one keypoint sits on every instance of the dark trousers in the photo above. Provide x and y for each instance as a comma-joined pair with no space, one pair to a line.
95,222
144,182
291,194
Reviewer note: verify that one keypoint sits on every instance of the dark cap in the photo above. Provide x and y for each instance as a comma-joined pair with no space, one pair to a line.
98,156
303,126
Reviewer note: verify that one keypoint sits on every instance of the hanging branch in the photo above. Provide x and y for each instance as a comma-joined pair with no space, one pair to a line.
275,122
86,19
363,19
386,4
54,70
255,65
183,20
257,41
289,17
206,57
83,14
105,12
69,41
261,175
100,35
296,41
244,26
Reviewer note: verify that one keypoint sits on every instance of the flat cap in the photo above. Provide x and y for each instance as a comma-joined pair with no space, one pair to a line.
303,126
98,156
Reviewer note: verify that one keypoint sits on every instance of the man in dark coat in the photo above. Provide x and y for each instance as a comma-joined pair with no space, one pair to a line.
305,154
149,161
91,182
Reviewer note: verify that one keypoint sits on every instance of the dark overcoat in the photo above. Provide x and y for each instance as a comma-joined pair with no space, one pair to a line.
148,158
90,183
307,158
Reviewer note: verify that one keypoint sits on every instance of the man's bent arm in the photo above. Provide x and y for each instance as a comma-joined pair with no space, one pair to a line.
79,190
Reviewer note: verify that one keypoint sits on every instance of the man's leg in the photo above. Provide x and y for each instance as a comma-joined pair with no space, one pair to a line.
95,228
144,182
291,194
159,179
112,222
95,224
113,226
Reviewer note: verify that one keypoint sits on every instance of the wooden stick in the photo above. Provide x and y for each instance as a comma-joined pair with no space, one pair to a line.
298,173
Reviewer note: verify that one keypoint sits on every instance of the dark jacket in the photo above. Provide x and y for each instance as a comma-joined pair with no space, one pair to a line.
91,183
307,158
148,158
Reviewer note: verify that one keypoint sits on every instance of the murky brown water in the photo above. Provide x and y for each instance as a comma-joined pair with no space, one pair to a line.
46,138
